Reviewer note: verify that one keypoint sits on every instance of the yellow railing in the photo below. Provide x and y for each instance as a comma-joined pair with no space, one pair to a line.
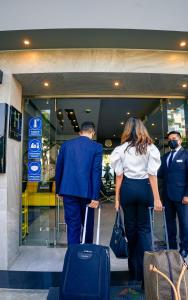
25,224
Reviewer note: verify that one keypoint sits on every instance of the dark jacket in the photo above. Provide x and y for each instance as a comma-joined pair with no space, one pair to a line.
79,168
175,178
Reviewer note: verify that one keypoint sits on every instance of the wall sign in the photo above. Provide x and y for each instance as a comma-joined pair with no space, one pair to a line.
34,171
34,148
35,127
15,124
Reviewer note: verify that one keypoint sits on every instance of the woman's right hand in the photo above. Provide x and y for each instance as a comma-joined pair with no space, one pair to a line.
117,205
158,204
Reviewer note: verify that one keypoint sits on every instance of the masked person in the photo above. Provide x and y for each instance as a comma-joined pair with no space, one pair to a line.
174,172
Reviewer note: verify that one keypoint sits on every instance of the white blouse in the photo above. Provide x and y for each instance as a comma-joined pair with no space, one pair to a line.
133,165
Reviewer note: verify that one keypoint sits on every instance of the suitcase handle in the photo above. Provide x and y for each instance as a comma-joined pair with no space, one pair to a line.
177,288
98,225
151,217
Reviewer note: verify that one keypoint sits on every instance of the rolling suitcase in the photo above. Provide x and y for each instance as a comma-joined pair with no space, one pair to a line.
159,241
165,273
86,270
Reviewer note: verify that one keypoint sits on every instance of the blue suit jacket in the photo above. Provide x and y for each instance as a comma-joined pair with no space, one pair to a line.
175,178
79,168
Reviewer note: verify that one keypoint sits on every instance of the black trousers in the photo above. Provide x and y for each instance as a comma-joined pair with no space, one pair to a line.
136,196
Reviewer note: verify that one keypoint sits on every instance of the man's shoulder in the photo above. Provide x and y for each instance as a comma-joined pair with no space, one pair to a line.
97,145
69,142
185,152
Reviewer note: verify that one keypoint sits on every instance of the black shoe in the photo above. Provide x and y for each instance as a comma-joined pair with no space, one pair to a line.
183,253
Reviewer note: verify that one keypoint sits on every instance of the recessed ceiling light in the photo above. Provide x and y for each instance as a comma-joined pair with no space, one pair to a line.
26,42
184,85
122,123
46,83
87,110
182,44
116,83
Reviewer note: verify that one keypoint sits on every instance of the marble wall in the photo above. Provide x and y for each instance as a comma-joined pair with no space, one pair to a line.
10,183
94,60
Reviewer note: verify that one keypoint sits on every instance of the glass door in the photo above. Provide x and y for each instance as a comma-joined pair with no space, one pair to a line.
38,187
50,122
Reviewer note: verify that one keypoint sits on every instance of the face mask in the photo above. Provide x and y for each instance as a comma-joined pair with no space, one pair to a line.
173,144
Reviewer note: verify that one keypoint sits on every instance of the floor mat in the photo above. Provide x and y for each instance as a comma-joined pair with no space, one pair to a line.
133,292
126,293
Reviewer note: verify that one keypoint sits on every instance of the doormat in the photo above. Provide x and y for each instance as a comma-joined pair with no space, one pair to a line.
126,293
130,292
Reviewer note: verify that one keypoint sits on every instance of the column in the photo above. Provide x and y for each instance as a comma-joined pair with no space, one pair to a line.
10,182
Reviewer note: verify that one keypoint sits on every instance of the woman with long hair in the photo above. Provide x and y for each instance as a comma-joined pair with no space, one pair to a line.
135,163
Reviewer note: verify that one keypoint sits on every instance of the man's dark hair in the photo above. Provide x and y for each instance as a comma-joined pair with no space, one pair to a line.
174,132
87,126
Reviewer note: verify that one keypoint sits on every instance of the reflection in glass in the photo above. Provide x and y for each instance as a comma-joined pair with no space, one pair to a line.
176,116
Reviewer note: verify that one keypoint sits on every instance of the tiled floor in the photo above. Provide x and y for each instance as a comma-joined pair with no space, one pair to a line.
43,258
7,294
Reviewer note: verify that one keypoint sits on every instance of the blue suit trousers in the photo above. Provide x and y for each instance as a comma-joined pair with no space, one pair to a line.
173,209
74,209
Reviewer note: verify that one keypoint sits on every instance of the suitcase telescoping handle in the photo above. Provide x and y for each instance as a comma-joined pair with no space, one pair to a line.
98,225
176,288
151,217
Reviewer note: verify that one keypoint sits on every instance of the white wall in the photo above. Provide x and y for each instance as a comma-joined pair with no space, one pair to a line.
126,14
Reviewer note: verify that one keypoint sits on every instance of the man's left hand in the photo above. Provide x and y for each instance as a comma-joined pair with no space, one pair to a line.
94,204
185,200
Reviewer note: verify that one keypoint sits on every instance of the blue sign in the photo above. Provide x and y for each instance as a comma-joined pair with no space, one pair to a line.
35,126
34,148
34,171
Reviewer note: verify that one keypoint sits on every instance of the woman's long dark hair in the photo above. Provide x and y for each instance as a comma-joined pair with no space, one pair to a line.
137,135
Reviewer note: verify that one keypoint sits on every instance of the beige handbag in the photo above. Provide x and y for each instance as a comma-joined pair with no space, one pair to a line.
176,289
165,276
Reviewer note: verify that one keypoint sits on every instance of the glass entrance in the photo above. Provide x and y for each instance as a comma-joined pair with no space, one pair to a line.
49,122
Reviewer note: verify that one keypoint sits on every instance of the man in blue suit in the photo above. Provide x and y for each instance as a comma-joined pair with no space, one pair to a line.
78,179
174,172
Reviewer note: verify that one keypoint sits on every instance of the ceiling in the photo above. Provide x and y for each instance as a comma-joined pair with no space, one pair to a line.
102,84
107,115
108,104
93,38
114,111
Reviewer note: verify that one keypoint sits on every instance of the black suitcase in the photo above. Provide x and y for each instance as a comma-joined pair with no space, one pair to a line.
86,270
